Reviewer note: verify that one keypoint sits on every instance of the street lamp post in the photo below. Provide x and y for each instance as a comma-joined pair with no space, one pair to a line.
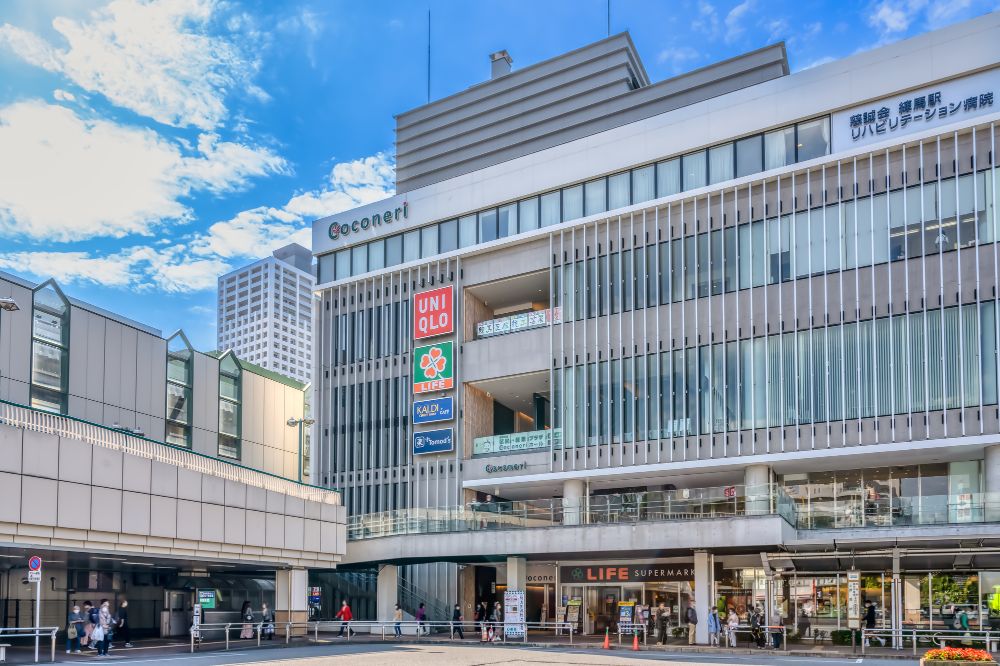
292,423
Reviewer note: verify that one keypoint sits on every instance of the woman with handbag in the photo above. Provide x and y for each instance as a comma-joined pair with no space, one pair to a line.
74,630
246,613
102,629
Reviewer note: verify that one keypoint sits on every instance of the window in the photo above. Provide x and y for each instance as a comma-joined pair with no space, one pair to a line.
595,195
619,191
394,250
528,211
376,255
411,245
487,226
467,231
428,241
448,236
343,264
550,209
813,139
179,383
507,221
695,170
359,259
325,268
668,177
643,184
49,348
749,155
230,389
572,204
779,148
720,163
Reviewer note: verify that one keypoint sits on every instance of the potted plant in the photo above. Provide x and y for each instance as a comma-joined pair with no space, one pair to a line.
954,656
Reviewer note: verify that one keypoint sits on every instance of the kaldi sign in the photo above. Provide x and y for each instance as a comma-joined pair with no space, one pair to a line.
432,313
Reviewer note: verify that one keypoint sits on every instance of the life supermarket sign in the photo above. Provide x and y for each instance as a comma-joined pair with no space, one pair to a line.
433,367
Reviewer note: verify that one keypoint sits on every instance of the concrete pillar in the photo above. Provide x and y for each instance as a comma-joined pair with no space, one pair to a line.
386,591
517,573
757,479
991,479
291,599
704,592
573,501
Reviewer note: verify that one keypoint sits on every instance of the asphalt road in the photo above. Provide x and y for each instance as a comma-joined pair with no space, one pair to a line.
439,655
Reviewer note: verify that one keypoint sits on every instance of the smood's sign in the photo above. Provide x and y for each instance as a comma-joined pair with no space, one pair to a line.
614,573
340,229
432,411
433,368
932,105
433,441
432,313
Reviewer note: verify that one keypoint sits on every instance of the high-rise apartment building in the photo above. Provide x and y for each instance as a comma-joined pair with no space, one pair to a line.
265,312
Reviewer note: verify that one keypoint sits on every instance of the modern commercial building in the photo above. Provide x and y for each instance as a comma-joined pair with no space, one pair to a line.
265,312
726,338
137,467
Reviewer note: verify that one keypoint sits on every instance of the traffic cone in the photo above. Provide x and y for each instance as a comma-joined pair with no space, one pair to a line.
635,641
607,640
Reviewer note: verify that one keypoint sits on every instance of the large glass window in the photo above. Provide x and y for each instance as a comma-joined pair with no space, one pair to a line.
749,155
488,225
230,395
394,250
619,191
668,177
720,163
467,231
359,259
180,376
449,235
343,264
550,209
376,255
527,210
813,139
643,184
572,203
779,148
695,170
595,196
49,348
411,245
428,241
507,221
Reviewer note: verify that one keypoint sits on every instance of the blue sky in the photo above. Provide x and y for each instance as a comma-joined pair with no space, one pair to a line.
147,147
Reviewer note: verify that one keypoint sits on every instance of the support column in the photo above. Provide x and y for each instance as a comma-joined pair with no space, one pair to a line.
291,599
386,592
517,573
991,477
704,592
572,501
757,482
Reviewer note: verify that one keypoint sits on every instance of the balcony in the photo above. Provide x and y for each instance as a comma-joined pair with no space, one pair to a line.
516,323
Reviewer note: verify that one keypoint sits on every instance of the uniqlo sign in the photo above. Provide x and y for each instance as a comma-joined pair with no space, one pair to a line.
433,313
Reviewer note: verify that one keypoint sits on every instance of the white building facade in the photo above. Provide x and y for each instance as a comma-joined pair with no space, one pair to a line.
265,312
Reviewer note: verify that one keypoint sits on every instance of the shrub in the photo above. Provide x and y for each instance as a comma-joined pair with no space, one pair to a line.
958,654
840,636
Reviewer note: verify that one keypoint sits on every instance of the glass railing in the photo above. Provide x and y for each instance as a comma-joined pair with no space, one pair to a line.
516,323
858,511
518,442
655,506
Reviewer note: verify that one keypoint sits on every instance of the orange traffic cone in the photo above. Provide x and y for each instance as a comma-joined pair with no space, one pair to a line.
607,640
635,641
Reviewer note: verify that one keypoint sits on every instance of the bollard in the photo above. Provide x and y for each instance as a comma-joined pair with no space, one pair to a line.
316,633
227,636
260,630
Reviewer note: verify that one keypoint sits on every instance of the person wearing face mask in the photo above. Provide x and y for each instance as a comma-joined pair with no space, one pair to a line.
123,630
105,624
74,630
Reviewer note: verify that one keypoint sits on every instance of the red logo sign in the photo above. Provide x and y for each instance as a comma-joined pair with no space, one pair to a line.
433,313
729,491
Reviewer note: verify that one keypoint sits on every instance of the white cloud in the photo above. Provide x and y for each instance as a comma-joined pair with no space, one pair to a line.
78,178
64,96
196,264
894,16
677,57
706,20
734,25
156,59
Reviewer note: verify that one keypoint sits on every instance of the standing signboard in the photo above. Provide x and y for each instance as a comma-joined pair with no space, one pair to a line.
432,313
853,599
513,614
433,368
626,617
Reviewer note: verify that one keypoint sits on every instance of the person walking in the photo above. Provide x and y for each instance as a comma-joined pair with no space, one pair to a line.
692,621
246,614
732,624
757,628
456,622
91,614
105,625
870,620
123,629
497,620
397,619
421,619
74,630
267,622
345,616
662,617
714,626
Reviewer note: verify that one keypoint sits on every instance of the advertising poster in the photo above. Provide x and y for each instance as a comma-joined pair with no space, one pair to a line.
573,612
206,598
513,614
626,617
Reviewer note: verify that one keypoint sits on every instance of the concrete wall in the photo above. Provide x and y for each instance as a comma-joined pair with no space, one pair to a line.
66,494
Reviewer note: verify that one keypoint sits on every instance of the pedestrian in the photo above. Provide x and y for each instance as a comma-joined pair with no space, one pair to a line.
756,627
345,616
870,619
397,618
421,619
477,617
267,622
732,624
714,626
662,616
74,630
456,622
91,613
692,622
123,629
105,625
497,619
805,625
962,623
246,614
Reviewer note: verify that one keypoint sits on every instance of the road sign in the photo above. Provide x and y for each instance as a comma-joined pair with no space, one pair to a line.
35,563
35,576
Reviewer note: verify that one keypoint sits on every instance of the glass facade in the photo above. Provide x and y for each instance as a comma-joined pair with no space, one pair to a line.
795,143
180,381
50,317
230,394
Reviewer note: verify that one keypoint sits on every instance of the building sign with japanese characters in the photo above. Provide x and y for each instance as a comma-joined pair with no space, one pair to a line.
926,108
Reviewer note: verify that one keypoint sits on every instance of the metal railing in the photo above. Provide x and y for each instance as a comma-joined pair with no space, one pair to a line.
29,418
768,631
857,510
687,504
895,638
197,638
32,632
